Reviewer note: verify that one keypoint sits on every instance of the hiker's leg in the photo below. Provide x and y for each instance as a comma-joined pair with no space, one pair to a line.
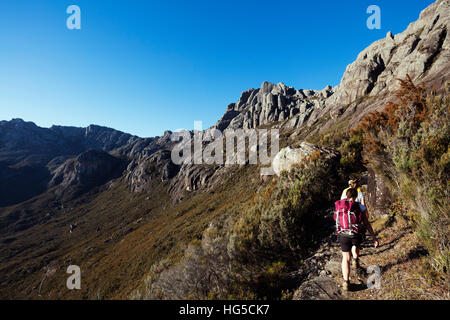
355,252
346,265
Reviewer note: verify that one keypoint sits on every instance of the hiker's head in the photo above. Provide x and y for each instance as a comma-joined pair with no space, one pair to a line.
353,183
352,193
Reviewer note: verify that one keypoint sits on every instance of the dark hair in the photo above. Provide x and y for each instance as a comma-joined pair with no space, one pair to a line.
352,193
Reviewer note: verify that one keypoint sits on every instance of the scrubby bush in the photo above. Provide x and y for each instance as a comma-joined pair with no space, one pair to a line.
351,149
285,219
408,145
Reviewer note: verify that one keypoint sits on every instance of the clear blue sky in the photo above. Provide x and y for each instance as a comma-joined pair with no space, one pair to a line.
146,66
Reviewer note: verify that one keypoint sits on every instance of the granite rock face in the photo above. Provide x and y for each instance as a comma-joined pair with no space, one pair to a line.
142,171
422,51
379,197
271,103
89,169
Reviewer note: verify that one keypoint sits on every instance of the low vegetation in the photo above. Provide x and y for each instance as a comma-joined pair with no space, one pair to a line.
408,145
248,252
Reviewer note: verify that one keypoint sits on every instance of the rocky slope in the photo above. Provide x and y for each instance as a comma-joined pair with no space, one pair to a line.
30,155
89,169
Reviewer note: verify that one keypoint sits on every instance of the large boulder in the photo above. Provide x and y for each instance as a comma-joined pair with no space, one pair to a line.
287,157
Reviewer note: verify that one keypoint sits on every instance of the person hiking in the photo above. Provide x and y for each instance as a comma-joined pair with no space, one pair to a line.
351,217
354,184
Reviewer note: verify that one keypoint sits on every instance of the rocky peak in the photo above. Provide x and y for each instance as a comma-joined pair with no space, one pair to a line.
271,103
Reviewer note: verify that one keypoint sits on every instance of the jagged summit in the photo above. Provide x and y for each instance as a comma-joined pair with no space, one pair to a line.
272,102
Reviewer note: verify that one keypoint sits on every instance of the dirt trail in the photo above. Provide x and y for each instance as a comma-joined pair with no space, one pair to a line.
398,257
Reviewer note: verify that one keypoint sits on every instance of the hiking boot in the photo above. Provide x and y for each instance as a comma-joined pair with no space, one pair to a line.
346,285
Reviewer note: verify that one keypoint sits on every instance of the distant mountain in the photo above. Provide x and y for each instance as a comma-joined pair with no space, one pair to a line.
24,141
29,154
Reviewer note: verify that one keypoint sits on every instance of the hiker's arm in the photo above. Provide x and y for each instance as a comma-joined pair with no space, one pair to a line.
361,196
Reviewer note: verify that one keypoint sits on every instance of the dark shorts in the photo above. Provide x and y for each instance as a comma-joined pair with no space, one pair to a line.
347,242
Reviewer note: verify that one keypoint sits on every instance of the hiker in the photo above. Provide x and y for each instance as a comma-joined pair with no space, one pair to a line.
351,218
354,184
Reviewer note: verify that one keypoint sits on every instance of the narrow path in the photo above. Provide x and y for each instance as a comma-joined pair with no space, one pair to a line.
398,259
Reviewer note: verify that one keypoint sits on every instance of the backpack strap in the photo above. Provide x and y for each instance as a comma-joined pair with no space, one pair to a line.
337,220
349,219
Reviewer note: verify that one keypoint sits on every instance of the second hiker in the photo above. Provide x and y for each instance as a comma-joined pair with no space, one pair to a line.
355,185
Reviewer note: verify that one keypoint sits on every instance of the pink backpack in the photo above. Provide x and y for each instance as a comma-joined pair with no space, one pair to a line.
348,217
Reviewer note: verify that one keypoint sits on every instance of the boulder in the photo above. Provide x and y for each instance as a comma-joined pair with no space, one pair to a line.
288,156
319,288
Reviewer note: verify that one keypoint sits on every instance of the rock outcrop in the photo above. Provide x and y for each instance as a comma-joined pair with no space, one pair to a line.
422,51
272,103
141,172
379,197
287,157
192,177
